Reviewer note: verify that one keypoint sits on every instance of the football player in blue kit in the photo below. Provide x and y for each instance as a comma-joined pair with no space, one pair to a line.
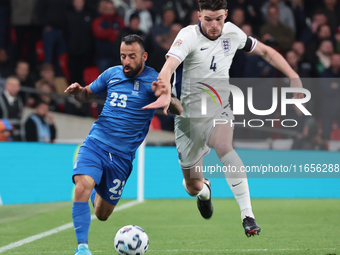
104,161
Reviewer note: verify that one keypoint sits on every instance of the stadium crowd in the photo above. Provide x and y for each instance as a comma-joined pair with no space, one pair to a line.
47,44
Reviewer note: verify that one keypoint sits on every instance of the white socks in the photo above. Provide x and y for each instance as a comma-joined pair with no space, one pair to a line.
204,194
247,212
238,183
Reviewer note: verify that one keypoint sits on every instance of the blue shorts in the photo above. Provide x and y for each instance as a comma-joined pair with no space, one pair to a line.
109,171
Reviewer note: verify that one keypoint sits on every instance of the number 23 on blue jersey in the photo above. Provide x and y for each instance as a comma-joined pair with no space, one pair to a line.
122,98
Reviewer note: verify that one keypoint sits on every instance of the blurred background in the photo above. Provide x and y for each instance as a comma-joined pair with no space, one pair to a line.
45,45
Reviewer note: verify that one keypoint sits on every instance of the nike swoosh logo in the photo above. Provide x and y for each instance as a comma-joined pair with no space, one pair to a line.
204,48
77,228
234,185
113,81
114,198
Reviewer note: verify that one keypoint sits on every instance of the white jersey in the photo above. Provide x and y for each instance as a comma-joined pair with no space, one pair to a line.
203,59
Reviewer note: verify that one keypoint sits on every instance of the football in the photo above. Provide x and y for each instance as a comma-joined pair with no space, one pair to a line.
131,240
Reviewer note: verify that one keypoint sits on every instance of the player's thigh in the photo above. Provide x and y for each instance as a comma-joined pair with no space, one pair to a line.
191,141
87,170
221,139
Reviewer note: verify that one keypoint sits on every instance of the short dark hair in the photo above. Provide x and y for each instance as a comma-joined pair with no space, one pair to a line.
129,39
212,5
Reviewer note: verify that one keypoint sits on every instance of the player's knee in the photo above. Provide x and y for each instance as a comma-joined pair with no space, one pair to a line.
82,192
222,147
83,186
80,189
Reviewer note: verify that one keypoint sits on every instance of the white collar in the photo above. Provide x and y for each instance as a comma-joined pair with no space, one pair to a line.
10,99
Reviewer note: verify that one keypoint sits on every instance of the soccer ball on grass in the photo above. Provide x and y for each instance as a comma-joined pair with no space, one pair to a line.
131,240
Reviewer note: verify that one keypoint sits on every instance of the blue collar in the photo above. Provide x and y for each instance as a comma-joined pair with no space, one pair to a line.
201,30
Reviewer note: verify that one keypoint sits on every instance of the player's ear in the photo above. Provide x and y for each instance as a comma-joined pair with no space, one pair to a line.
199,15
226,13
144,56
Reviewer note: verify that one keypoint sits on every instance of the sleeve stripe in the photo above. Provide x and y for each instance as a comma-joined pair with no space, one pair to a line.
254,44
175,56
250,44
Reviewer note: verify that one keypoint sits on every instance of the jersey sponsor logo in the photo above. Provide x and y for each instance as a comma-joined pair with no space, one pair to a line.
178,43
113,81
226,45
204,48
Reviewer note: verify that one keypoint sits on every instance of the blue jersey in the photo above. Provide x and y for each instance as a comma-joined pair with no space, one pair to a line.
123,124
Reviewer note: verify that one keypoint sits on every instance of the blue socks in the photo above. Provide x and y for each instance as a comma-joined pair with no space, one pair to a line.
93,196
81,215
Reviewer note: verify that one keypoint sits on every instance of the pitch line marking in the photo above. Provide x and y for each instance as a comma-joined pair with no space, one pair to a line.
242,250
59,229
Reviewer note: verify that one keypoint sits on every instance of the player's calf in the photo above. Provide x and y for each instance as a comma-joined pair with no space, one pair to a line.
103,209
193,187
102,215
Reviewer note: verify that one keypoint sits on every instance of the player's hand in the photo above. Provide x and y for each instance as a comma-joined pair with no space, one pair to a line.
163,101
74,89
162,91
160,87
296,83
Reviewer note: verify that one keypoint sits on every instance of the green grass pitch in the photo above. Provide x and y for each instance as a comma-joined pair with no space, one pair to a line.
293,226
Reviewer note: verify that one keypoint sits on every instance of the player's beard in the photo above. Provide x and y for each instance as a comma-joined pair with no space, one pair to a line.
133,71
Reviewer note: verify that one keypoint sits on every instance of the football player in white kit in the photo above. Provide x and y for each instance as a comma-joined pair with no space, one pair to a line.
206,51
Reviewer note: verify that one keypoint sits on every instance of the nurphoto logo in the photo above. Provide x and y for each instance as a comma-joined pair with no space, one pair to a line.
239,102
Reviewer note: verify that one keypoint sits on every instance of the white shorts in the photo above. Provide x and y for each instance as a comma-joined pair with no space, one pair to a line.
192,136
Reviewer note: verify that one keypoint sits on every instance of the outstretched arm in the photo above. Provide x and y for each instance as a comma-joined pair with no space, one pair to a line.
81,94
276,60
162,86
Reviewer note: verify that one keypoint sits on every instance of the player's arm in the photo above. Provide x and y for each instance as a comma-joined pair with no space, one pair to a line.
81,94
162,87
175,106
277,60
167,71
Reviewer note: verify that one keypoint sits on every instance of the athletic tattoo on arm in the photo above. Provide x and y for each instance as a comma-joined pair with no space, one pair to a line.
175,106
272,57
